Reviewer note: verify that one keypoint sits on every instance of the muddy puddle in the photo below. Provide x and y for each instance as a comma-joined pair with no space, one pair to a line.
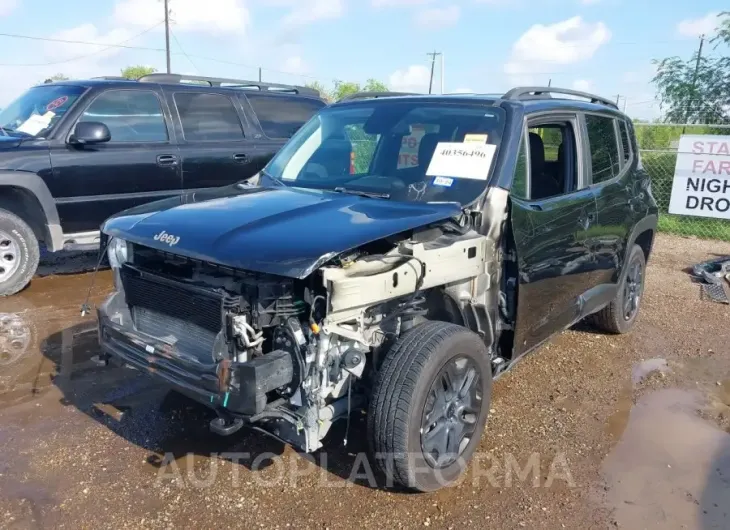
670,464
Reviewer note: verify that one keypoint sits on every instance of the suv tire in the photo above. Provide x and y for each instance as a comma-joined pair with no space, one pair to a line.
19,253
620,315
417,385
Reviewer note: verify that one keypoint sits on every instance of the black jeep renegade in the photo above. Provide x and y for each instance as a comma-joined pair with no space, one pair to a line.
395,256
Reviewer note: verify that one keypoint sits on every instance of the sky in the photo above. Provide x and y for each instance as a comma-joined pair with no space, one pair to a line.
604,46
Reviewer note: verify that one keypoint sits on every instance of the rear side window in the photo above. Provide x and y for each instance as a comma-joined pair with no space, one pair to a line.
625,140
208,117
130,115
604,149
281,116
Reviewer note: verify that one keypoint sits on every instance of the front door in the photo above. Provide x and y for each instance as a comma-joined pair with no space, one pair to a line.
139,164
552,214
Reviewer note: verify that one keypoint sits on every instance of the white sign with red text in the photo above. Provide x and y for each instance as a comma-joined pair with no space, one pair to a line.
701,184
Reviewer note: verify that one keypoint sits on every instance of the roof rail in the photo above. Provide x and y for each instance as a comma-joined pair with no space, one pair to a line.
539,92
227,83
366,95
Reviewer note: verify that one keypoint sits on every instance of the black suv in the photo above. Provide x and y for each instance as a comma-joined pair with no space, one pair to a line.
73,153
395,256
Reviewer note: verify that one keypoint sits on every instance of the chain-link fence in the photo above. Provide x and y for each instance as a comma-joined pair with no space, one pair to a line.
658,145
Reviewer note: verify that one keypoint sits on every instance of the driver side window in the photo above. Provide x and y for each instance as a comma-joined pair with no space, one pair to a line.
130,115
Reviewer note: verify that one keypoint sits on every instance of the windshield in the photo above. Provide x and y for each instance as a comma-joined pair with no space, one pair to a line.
401,149
38,110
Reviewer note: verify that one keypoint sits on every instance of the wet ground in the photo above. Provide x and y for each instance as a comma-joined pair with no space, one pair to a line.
592,431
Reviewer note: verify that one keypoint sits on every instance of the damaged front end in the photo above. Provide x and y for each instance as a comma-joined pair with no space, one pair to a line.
289,356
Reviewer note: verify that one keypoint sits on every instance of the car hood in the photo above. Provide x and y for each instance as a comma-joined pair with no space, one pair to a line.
9,142
283,231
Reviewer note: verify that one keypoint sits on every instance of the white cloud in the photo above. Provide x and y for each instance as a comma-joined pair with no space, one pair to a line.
543,47
412,79
438,17
462,91
85,33
308,11
294,64
694,27
7,6
584,85
187,15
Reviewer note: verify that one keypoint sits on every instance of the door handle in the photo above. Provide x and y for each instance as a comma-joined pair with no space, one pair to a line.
536,207
240,157
167,160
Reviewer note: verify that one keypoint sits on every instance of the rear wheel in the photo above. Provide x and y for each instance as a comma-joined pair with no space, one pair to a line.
620,315
430,405
19,253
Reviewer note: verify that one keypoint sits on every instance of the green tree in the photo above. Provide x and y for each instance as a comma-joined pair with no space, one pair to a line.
57,77
344,88
374,85
319,87
697,90
137,71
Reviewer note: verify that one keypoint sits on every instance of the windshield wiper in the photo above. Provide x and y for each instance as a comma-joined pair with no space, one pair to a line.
7,131
370,194
268,176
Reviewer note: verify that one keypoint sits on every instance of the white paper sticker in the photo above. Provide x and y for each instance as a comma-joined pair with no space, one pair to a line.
462,160
36,123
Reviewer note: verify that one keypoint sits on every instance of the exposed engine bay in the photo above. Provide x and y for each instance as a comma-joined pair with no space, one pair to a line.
289,356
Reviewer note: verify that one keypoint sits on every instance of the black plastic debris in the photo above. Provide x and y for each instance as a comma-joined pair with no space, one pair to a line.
714,277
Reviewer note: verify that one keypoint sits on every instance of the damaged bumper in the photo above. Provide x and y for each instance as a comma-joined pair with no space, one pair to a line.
238,389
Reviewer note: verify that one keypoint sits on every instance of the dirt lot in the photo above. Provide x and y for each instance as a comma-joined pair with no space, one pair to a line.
592,431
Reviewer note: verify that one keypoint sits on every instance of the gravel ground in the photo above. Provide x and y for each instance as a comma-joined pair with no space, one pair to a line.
591,431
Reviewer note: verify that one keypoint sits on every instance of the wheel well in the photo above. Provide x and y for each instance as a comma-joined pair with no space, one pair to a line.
25,205
645,240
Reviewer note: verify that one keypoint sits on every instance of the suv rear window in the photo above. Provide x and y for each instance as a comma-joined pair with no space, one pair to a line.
281,116
207,117
604,149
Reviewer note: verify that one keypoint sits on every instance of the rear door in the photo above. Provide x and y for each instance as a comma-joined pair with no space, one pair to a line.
215,151
274,118
139,164
612,167
551,220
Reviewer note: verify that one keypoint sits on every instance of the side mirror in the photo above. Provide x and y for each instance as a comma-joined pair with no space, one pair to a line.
90,132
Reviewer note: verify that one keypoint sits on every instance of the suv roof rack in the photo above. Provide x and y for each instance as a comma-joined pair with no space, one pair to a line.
227,83
539,92
366,95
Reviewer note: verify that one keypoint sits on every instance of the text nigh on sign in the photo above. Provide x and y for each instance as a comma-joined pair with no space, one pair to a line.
701,184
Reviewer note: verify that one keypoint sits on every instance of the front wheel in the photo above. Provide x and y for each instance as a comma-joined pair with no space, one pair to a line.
430,405
19,253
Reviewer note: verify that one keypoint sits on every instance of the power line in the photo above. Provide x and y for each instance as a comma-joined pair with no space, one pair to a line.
106,47
183,52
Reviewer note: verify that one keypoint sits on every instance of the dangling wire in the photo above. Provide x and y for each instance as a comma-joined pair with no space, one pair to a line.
349,394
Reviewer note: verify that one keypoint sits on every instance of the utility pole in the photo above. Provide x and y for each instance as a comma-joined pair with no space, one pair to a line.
167,34
259,74
694,77
442,73
433,64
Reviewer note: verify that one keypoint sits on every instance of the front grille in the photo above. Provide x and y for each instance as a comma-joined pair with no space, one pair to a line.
202,307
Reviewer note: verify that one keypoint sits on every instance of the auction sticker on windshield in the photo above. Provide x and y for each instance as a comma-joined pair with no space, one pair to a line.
462,160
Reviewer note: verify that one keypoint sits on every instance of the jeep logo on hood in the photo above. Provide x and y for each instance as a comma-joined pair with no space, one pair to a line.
164,237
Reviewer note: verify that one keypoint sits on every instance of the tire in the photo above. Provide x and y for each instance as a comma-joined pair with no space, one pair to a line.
614,318
19,253
403,393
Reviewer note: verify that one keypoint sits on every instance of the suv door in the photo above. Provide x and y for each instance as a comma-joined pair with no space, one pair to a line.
617,192
214,150
553,210
274,119
139,164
